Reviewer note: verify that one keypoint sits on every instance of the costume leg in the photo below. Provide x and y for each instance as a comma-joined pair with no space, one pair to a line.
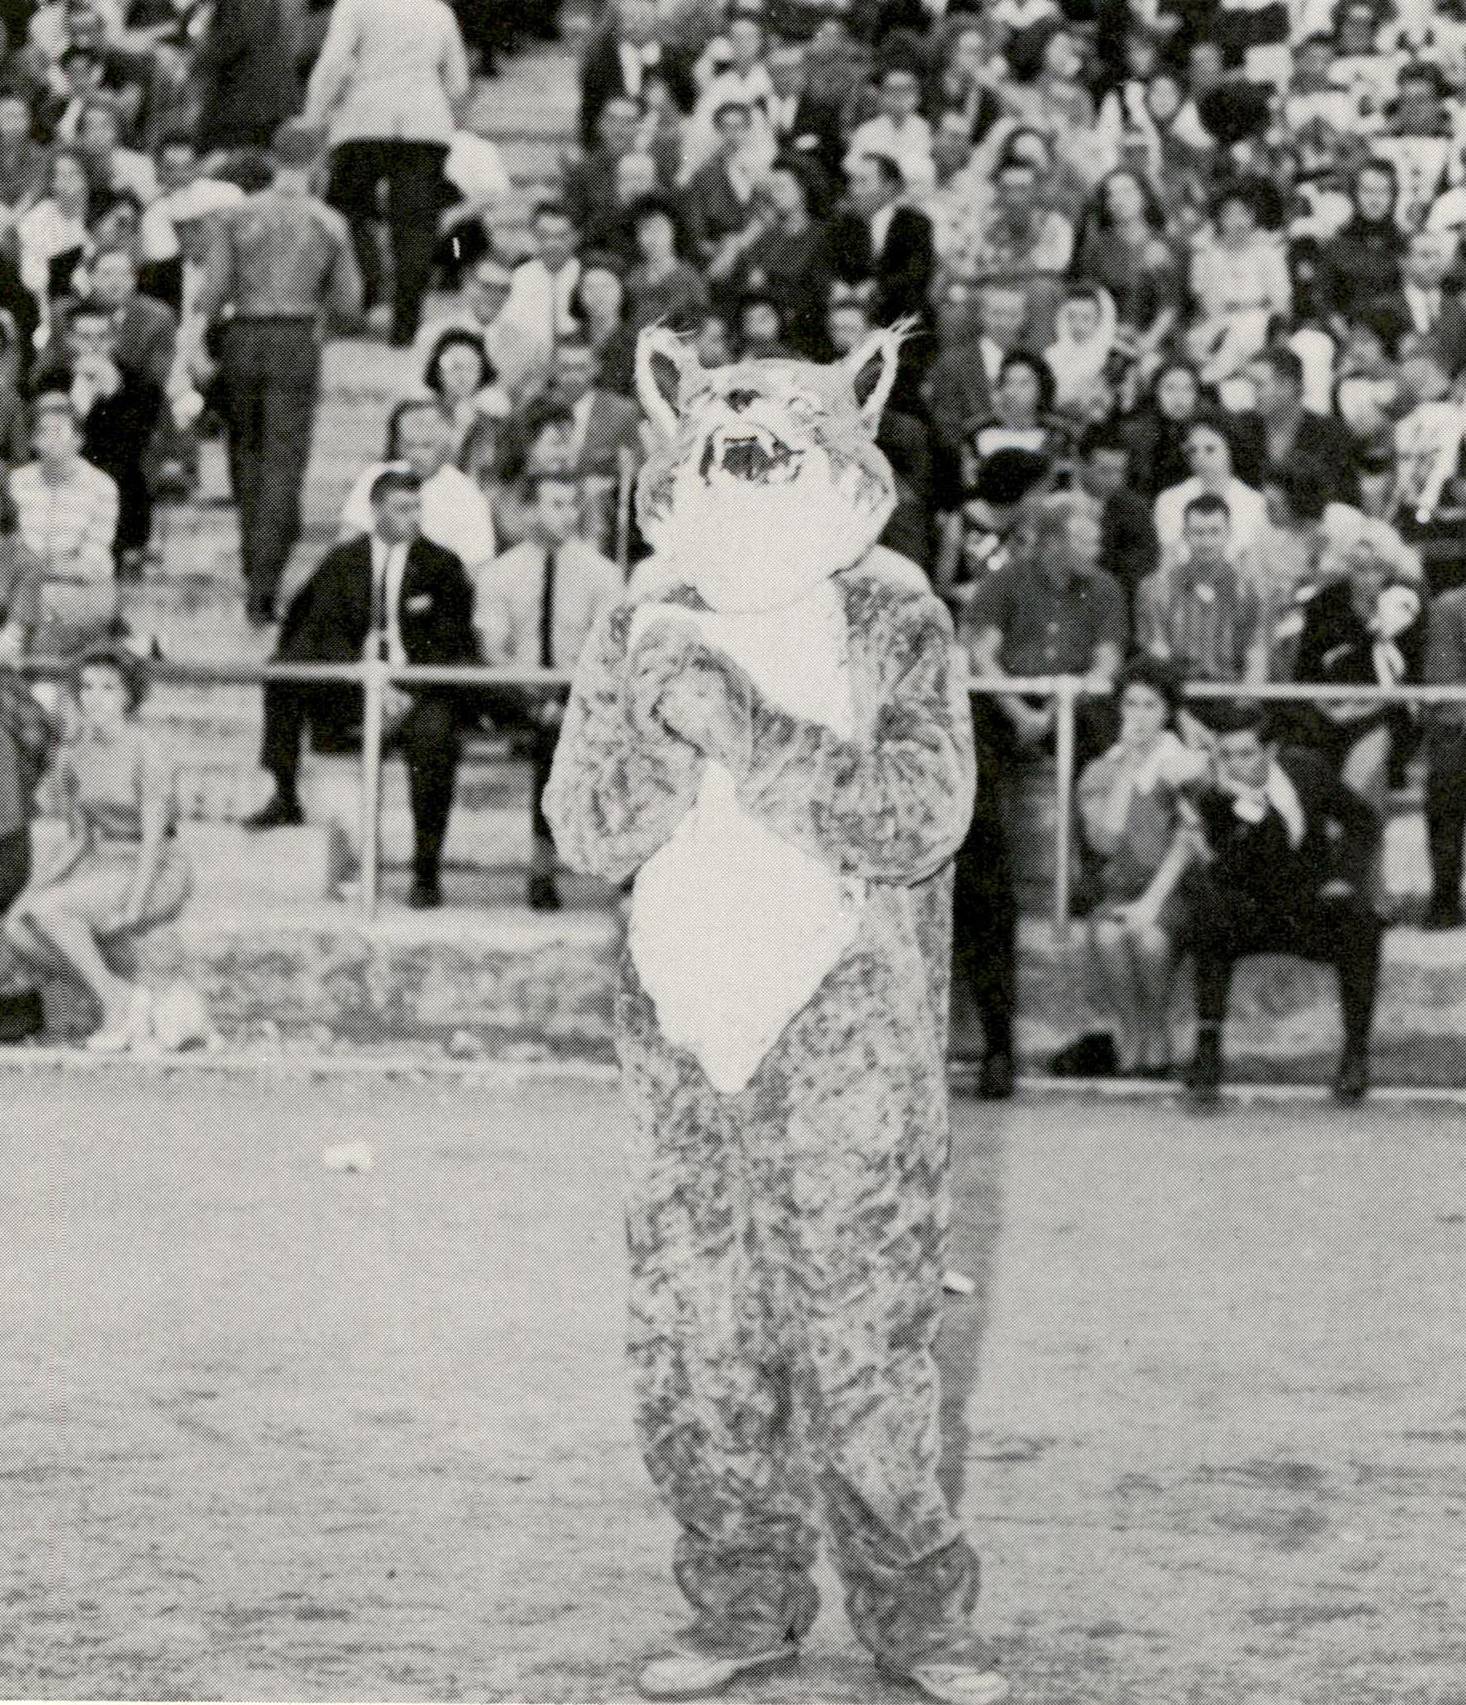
713,1400
430,742
851,1188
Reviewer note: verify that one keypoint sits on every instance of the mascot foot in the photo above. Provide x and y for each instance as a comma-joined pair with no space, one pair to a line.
958,1683
695,1675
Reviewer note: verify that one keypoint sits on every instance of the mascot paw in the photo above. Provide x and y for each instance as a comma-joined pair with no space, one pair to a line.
677,684
656,659
707,704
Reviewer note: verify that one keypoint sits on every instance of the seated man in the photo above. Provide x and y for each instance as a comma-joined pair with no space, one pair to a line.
455,511
67,511
1288,849
535,605
1202,614
118,411
395,596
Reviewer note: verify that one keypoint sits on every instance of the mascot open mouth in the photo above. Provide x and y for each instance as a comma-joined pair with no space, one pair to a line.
751,454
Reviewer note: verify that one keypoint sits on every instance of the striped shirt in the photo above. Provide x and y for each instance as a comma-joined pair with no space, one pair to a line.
70,524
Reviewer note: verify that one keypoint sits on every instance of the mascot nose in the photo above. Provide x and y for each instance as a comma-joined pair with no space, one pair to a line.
740,400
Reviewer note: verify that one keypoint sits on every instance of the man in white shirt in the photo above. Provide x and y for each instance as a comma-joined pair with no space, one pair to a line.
455,512
898,131
391,597
536,605
539,307
486,292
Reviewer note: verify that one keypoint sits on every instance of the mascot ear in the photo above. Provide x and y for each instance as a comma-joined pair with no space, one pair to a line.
657,349
871,369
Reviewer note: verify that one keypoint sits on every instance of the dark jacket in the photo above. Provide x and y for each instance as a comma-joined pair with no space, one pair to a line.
601,78
902,270
1256,860
1359,263
330,618
114,437
248,81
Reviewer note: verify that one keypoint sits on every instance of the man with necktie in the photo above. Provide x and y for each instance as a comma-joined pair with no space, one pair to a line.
536,604
394,597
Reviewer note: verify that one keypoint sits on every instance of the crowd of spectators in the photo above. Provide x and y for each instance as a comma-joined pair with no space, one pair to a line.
1184,377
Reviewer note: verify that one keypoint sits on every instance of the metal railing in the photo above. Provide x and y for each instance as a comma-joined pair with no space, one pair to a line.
375,679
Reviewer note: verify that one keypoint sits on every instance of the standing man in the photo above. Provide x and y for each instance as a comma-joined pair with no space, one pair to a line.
281,260
391,596
390,80
536,605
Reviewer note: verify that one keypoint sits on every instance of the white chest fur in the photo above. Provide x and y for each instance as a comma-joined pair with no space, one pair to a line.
732,929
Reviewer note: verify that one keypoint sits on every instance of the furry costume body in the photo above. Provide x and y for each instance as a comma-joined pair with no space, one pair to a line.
771,735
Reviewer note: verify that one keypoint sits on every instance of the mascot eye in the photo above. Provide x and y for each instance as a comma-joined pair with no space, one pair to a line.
803,406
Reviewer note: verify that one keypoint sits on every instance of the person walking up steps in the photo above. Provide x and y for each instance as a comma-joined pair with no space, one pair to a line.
282,261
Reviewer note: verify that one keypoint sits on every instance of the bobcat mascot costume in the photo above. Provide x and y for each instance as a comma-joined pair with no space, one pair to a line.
771,735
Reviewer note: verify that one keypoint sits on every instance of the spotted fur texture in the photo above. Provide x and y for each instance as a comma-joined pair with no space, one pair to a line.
786,1228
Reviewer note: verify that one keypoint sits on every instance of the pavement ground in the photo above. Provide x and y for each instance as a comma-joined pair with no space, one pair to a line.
275,1430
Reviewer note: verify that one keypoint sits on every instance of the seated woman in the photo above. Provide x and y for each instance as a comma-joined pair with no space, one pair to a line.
1210,454
119,873
1132,813
461,376
1023,417
54,235
1156,431
1241,285
598,303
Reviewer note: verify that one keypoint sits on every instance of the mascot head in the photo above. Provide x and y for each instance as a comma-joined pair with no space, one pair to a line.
767,479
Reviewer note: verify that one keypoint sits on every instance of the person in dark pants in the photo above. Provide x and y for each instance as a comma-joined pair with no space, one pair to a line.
395,596
1288,850
1445,780
390,80
27,744
538,604
117,408
283,262
1055,612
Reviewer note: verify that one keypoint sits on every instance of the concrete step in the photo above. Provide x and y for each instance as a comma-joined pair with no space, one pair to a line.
516,980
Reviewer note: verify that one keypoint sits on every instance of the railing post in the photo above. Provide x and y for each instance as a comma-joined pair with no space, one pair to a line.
374,695
1063,804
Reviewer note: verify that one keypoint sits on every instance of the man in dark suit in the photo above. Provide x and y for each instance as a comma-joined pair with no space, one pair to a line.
803,124
881,241
603,425
1285,433
117,409
718,201
1290,849
1427,306
147,330
621,59
393,595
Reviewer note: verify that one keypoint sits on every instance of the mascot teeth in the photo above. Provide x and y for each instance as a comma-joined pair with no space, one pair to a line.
751,455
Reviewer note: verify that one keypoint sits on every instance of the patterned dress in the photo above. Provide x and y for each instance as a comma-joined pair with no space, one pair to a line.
104,783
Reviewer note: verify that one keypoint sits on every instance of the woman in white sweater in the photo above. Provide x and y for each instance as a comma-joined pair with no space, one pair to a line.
389,83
